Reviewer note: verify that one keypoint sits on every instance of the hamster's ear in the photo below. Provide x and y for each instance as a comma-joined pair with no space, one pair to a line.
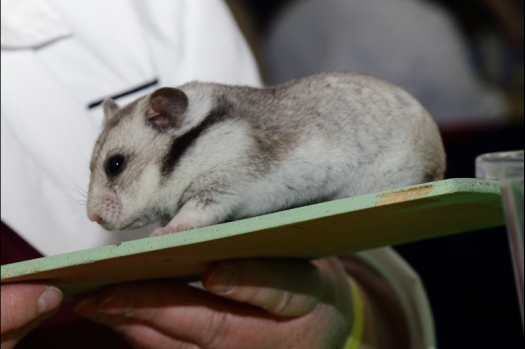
110,109
167,109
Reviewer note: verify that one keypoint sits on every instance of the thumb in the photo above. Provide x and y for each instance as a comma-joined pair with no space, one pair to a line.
23,307
283,288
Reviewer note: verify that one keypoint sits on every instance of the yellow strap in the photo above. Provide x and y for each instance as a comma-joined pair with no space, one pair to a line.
356,335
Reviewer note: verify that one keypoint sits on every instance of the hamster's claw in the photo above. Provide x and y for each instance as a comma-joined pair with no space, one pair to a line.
168,230
162,231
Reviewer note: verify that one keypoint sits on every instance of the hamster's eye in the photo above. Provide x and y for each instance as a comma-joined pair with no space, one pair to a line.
115,165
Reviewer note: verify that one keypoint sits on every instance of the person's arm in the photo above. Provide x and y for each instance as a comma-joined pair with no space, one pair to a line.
250,304
255,304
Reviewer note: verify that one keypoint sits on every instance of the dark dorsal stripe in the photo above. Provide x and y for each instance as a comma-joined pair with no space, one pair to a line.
180,145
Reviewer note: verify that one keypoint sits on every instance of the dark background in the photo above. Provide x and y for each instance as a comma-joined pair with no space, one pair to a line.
469,276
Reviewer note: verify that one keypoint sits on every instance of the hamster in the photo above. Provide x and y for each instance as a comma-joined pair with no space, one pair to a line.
206,153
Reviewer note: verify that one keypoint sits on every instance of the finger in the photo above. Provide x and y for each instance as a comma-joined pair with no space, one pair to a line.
24,306
182,311
22,303
143,336
283,288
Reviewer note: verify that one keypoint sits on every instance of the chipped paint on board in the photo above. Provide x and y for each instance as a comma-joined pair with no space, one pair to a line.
404,195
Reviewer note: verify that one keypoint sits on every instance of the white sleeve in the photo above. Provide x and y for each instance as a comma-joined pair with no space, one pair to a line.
202,44
410,291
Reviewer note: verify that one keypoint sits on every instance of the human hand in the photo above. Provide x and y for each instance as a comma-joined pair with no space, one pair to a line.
23,307
255,304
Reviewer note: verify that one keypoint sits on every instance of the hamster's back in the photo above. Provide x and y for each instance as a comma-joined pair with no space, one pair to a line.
361,126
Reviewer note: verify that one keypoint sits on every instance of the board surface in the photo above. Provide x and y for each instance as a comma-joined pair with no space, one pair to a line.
327,229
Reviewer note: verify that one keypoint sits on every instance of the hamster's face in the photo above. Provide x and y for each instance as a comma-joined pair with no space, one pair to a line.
126,184
125,172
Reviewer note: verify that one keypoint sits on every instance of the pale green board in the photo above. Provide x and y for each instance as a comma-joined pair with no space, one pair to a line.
332,228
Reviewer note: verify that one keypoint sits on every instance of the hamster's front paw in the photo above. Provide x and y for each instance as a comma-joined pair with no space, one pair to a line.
168,230
189,217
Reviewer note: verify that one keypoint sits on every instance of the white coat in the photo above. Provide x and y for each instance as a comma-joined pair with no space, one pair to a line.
60,58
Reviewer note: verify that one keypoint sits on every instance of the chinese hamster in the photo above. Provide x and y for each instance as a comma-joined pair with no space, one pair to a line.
205,153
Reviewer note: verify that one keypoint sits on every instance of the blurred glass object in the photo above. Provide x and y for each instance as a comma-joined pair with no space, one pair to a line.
507,167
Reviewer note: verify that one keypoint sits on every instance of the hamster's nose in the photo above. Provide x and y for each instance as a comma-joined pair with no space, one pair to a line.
95,218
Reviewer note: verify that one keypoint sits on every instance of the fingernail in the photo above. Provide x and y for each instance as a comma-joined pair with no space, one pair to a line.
221,280
86,308
49,300
115,305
